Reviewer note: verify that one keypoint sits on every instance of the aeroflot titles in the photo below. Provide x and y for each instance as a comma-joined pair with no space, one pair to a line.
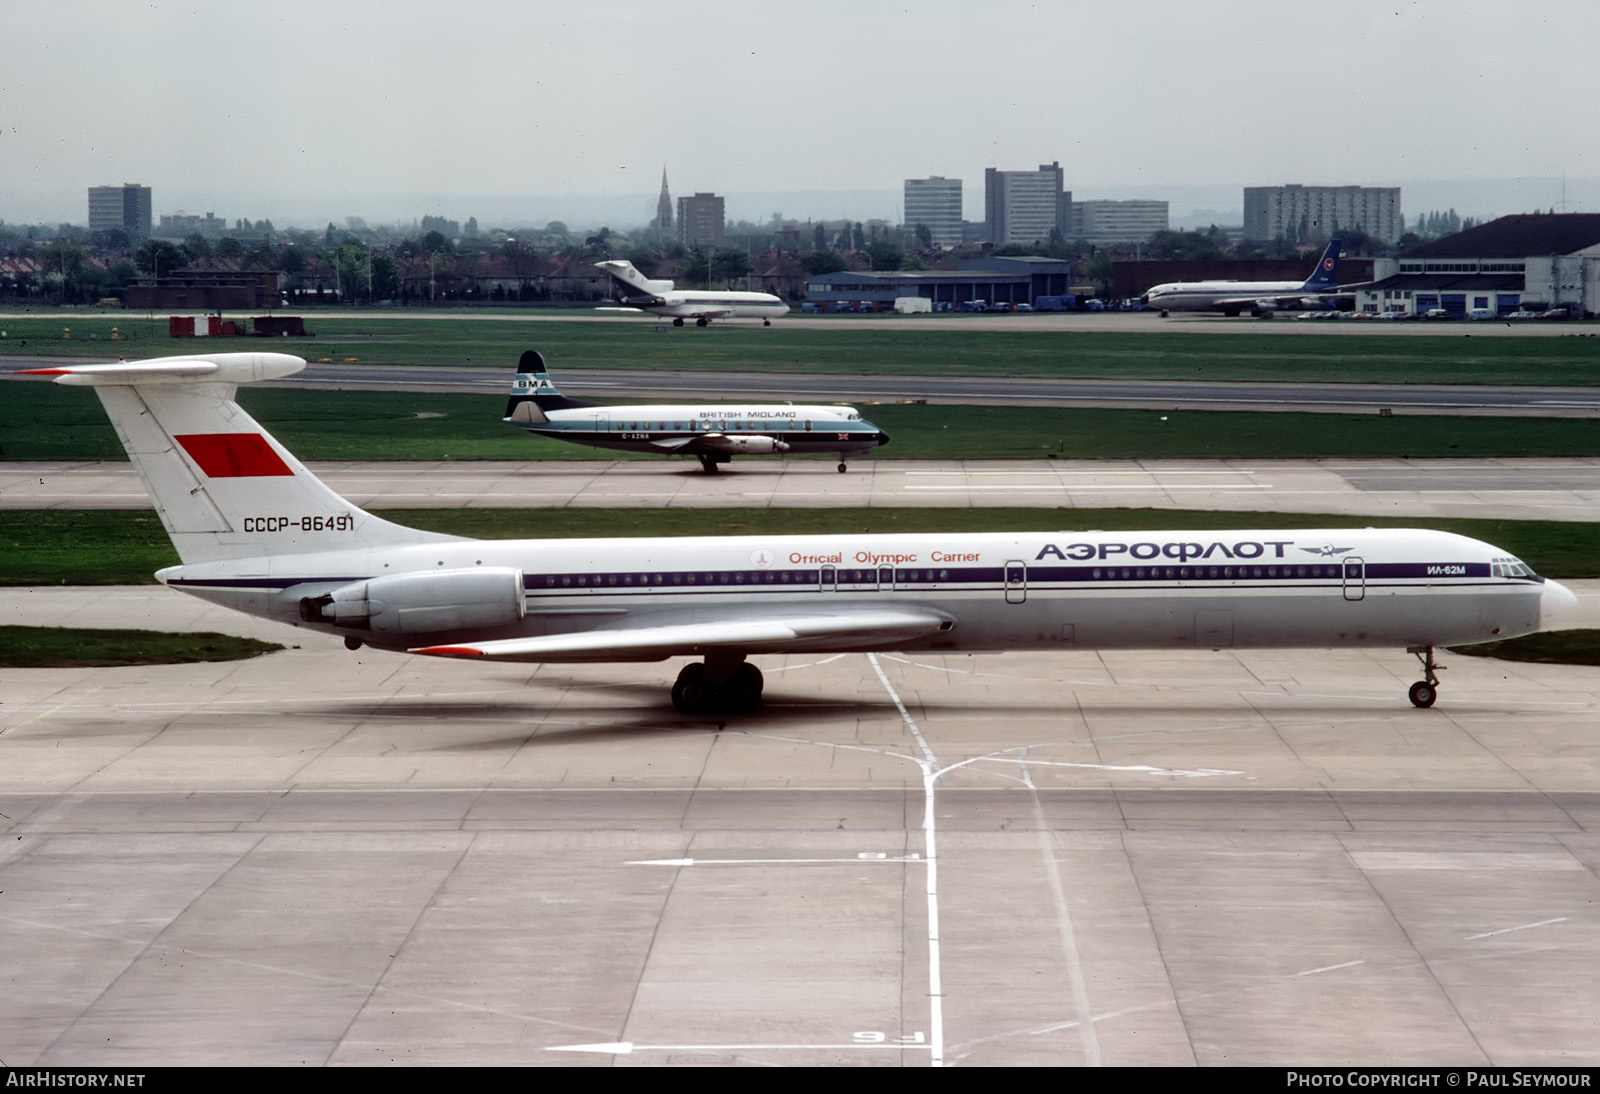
1181,552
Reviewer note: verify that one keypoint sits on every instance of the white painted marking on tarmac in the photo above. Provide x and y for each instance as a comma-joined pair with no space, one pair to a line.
1064,925
930,829
1524,927
627,1048
1124,486
1143,769
1331,968
1063,474
863,857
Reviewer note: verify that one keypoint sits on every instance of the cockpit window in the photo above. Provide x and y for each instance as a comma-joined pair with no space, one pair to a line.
1512,567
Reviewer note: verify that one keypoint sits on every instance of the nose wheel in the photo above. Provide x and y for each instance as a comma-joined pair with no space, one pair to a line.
1425,691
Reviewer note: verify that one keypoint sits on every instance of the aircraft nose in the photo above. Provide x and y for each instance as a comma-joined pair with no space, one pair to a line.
883,438
1558,608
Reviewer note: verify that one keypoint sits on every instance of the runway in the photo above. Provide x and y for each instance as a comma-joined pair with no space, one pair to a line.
621,385
1189,858
1528,489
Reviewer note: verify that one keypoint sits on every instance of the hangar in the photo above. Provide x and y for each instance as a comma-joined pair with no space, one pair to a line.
1535,261
994,280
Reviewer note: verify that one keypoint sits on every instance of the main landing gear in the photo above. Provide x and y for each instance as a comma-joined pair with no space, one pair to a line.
1425,691
710,460
678,321
726,684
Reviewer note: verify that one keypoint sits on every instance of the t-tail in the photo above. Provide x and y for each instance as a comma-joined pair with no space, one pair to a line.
1326,275
636,288
533,393
222,485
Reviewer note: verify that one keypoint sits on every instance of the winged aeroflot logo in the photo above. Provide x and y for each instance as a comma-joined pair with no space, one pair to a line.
1327,550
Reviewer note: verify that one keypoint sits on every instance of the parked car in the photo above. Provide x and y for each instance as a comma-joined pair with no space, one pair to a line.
1481,314
1437,313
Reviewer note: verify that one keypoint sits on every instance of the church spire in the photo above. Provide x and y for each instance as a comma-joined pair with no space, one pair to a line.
662,225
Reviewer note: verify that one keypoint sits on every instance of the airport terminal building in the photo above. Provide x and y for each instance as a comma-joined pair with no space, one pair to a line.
1530,262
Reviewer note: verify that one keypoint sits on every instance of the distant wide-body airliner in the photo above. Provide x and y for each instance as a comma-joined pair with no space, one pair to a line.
1319,291
664,298
715,433
255,531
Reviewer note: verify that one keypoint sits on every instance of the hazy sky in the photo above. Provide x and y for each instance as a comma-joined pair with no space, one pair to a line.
526,111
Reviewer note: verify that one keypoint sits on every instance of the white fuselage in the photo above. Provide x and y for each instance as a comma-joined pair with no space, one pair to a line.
1134,590
697,304
1210,295
738,430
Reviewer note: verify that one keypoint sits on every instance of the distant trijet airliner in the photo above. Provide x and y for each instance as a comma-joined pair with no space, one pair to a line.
641,293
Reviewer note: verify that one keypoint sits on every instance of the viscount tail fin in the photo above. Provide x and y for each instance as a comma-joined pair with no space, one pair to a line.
222,485
533,392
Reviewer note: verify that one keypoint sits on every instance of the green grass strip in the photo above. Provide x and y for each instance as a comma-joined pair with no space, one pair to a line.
1575,647
79,647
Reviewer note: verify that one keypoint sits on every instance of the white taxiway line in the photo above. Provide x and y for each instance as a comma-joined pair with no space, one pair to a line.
928,764
625,1048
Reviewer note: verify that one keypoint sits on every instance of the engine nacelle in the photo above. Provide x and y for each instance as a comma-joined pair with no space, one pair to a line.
745,444
431,602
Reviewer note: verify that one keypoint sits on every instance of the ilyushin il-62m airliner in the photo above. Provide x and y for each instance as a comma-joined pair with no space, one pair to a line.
257,532
713,433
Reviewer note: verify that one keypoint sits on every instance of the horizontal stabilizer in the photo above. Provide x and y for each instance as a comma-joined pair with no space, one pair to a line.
864,627
230,368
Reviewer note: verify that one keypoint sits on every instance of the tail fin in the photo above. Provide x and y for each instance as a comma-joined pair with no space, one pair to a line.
533,392
223,486
1326,275
629,277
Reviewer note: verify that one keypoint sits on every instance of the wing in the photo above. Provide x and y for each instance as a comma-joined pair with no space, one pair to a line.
709,313
850,628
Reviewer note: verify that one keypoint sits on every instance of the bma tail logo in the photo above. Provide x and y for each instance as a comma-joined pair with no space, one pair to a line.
526,383
1327,265
1327,550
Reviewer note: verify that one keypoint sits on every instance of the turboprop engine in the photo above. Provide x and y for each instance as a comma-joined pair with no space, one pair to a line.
744,444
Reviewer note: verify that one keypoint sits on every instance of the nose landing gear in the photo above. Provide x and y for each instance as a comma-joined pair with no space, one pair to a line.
1425,691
